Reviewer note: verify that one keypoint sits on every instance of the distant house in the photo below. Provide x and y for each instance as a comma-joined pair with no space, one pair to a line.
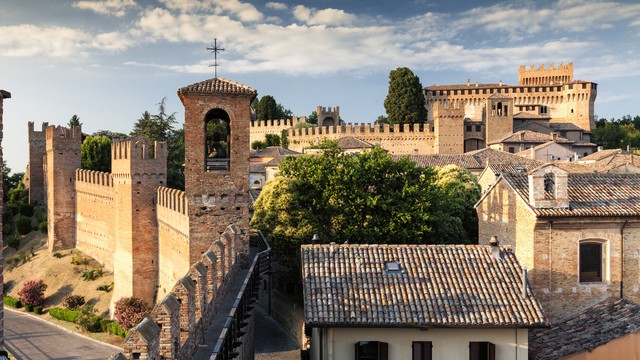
613,161
260,158
417,302
607,330
577,233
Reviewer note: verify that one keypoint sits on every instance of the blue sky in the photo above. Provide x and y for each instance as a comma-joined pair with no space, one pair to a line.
110,60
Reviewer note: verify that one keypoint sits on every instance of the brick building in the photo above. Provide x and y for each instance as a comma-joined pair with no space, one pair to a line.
577,233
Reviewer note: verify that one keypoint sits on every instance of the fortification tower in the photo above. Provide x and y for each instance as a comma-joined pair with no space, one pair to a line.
138,168
217,129
35,171
448,127
63,158
328,116
3,95
541,76
498,117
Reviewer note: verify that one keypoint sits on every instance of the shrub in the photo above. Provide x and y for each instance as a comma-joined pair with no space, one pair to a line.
105,287
23,224
41,215
130,311
32,292
104,323
11,262
79,260
8,228
28,307
258,145
37,310
91,274
116,329
43,227
26,210
57,255
13,302
14,241
87,320
12,208
65,314
73,302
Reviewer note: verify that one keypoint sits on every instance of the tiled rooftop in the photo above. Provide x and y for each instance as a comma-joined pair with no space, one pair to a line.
217,86
586,330
528,136
350,142
607,160
437,285
272,151
528,115
462,160
590,194
493,156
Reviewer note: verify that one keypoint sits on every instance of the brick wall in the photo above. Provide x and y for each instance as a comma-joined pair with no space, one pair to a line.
173,238
35,171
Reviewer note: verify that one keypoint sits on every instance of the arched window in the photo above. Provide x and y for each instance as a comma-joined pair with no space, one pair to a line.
217,140
591,264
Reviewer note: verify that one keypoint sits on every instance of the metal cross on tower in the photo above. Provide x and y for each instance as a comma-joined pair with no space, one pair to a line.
215,49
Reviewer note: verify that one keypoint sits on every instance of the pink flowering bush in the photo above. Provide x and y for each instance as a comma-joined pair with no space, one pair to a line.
130,311
32,292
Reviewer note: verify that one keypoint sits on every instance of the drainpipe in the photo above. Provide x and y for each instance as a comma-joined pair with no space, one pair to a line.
622,259
550,223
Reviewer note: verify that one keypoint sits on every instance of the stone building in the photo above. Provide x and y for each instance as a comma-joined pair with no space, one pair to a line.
577,233
35,174
147,234
3,95
542,94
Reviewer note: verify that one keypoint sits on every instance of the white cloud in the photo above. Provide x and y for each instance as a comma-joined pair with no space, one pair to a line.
276,6
57,42
329,16
106,7
243,11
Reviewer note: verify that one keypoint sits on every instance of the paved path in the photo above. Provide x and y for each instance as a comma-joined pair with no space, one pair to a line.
29,337
271,341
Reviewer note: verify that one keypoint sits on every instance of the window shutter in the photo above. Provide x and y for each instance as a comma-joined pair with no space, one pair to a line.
421,350
474,350
383,351
492,352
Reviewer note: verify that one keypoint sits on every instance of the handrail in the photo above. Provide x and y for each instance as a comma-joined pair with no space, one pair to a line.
236,323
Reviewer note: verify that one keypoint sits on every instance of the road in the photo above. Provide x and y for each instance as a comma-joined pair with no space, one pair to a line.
271,341
32,338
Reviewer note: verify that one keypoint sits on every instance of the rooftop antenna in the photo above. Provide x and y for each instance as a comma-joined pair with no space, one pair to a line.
215,49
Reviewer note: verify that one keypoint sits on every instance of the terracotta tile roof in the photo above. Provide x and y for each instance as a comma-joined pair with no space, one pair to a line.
350,142
585,331
584,144
528,115
566,126
493,156
590,194
608,160
257,168
463,160
531,137
272,151
437,285
503,168
573,167
599,155
217,86
276,161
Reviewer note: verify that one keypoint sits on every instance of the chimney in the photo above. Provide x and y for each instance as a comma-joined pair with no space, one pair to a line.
315,240
495,248
600,148
525,280
554,136
522,136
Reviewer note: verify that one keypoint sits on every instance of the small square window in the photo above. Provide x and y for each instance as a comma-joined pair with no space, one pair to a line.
392,266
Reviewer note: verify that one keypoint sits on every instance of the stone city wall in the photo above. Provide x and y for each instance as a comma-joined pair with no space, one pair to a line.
95,215
259,128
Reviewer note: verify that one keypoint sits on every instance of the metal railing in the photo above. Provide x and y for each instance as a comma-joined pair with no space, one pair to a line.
238,320
218,164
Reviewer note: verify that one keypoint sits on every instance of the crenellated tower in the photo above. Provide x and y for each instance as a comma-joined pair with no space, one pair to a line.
217,130
138,167
498,117
35,171
328,116
63,158
448,127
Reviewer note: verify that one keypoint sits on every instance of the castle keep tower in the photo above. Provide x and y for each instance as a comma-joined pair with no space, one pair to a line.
217,126
63,158
138,168
35,172
449,135
328,116
498,117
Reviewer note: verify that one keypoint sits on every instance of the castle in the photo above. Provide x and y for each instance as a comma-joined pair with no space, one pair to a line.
466,117
147,234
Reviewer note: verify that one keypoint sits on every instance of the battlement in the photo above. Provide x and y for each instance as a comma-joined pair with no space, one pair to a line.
293,121
541,76
138,148
62,136
172,199
32,131
327,109
361,128
94,177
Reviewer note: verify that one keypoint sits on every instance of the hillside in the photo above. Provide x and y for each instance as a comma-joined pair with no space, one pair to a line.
62,277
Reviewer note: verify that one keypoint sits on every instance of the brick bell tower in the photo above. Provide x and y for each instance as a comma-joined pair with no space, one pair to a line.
217,125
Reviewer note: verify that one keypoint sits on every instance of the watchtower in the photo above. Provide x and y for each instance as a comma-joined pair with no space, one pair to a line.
328,116
35,172
63,158
448,126
138,168
498,117
217,127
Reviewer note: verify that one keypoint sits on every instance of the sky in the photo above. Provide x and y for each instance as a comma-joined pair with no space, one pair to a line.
108,61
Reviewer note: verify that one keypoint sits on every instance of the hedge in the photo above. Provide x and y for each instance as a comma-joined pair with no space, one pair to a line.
13,302
65,314
37,309
115,329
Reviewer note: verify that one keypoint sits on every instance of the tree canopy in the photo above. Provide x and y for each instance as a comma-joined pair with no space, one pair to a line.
617,133
405,102
363,198
74,121
96,153
268,109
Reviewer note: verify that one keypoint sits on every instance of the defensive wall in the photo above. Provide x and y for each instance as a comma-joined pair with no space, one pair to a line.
259,128
35,173
397,139
3,95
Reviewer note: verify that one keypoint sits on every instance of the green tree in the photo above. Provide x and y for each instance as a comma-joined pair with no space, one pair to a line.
74,121
96,153
313,118
284,139
461,191
363,198
272,139
405,102
258,145
267,108
381,120
110,134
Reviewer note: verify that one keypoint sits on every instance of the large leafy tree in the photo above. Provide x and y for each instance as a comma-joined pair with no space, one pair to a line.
617,133
96,153
364,198
267,108
405,102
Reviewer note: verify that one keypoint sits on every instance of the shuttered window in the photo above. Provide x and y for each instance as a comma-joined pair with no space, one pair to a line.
421,350
482,350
